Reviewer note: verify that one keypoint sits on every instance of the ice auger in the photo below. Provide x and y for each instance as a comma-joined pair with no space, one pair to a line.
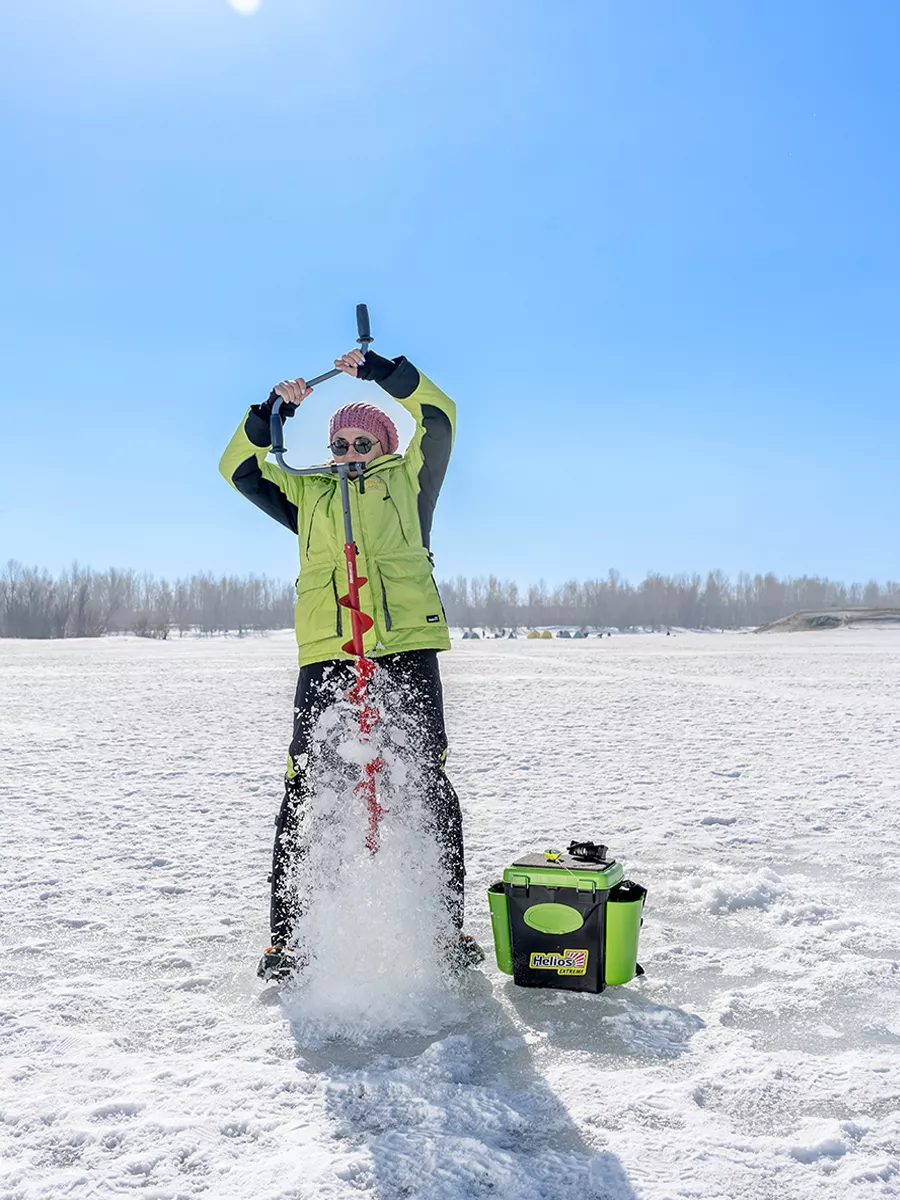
360,622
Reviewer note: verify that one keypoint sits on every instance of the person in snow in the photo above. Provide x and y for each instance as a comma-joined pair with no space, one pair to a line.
392,520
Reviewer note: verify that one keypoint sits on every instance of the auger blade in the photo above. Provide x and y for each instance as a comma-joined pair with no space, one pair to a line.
360,620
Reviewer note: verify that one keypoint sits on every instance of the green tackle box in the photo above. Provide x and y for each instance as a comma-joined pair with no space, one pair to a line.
567,919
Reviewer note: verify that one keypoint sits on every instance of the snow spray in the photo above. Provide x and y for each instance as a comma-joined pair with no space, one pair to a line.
373,924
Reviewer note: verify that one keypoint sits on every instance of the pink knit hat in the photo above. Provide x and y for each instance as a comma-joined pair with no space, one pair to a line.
369,418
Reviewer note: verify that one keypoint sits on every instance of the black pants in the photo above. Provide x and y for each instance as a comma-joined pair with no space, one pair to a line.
407,688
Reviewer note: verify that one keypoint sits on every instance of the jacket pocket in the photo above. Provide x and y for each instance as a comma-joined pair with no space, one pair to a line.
317,614
409,595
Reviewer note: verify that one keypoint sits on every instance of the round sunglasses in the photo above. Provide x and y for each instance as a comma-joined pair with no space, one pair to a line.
362,445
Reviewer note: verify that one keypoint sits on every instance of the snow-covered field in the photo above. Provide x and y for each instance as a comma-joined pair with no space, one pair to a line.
751,783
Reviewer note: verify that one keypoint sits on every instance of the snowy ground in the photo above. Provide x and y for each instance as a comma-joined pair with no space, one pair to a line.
751,783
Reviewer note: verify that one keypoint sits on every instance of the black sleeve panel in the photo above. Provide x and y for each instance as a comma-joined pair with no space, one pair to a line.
402,381
256,427
437,443
250,482
375,368
397,376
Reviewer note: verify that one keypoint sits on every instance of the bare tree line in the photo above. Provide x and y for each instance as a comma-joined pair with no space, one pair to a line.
81,602
85,603
659,601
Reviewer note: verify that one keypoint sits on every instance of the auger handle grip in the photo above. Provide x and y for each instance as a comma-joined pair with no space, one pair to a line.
276,427
362,325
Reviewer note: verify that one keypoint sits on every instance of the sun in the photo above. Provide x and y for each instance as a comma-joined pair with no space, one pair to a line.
245,6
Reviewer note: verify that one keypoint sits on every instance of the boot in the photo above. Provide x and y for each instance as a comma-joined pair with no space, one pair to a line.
278,963
463,952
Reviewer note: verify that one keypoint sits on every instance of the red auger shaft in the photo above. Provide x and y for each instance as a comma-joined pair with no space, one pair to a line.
369,716
360,622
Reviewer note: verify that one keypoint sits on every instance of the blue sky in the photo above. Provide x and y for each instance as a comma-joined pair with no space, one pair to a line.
650,249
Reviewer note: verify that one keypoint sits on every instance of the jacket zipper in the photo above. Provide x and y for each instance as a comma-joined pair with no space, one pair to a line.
399,520
437,592
387,611
311,519
361,536
339,624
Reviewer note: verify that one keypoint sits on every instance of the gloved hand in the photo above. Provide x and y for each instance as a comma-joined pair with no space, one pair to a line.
292,392
365,366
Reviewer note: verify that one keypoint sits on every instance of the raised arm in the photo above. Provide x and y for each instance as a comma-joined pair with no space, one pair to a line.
244,462
428,453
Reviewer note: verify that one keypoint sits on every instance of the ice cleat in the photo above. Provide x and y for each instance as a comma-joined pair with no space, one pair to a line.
277,964
463,952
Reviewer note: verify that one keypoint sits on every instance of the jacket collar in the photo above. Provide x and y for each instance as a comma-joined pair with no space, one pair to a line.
383,463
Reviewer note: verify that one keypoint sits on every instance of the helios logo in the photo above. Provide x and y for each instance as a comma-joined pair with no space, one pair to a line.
570,962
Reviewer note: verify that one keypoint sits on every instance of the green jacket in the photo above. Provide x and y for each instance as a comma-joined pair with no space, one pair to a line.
391,527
